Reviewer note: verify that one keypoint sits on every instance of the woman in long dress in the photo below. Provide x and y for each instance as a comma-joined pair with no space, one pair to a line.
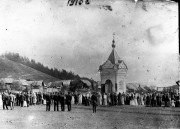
34,99
132,99
72,101
109,99
100,98
122,99
44,99
142,101
105,99
172,103
24,101
80,99
135,99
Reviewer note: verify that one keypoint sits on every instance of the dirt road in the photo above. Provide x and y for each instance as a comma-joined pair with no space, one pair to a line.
81,117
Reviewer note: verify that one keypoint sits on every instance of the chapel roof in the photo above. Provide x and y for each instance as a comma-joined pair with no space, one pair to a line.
113,57
113,61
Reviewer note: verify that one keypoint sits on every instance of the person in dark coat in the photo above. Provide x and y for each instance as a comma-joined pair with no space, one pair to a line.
28,99
128,97
56,102
17,99
62,101
177,100
94,102
68,101
83,100
152,100
147,100
5,100
76,98
21,98
166,100
112,99
115,99
48,102
160,99
119,99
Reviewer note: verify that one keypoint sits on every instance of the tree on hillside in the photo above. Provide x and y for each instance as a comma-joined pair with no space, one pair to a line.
77,84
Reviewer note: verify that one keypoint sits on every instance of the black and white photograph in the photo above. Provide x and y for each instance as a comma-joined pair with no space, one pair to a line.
89,64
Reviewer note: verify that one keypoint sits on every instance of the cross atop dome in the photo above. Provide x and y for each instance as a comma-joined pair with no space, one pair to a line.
113,57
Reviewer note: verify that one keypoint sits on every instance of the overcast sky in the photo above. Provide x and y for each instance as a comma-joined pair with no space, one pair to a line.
79,38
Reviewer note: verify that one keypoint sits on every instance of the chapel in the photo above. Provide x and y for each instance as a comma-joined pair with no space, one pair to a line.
113,73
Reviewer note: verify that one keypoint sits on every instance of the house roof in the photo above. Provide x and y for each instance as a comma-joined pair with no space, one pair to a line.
87,82
24,82
55,84
35,83
66,82
8,80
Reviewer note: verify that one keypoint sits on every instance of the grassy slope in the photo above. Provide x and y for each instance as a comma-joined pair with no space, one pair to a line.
15,70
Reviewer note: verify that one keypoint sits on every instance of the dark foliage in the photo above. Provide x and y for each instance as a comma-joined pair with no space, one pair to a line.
60,74
77,84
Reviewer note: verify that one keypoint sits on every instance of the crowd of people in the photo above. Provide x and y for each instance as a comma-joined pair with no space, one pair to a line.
69,99
154,99
23,99
57,99
61,99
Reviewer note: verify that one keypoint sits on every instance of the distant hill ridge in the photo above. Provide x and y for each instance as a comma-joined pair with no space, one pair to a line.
54,72
11,69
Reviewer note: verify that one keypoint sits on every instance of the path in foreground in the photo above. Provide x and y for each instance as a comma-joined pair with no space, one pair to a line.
81,117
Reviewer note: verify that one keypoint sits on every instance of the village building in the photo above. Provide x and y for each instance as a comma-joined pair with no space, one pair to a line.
36,86
6,83
113,73
53,87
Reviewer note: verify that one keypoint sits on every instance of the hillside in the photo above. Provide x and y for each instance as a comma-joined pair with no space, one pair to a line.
15,70
54,72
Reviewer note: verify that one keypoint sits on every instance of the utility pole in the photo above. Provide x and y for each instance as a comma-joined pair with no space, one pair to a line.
178,82
178,72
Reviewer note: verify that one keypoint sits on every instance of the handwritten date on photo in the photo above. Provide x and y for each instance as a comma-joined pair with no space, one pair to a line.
77,2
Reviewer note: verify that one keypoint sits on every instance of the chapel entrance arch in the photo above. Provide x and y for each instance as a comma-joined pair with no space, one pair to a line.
108,86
